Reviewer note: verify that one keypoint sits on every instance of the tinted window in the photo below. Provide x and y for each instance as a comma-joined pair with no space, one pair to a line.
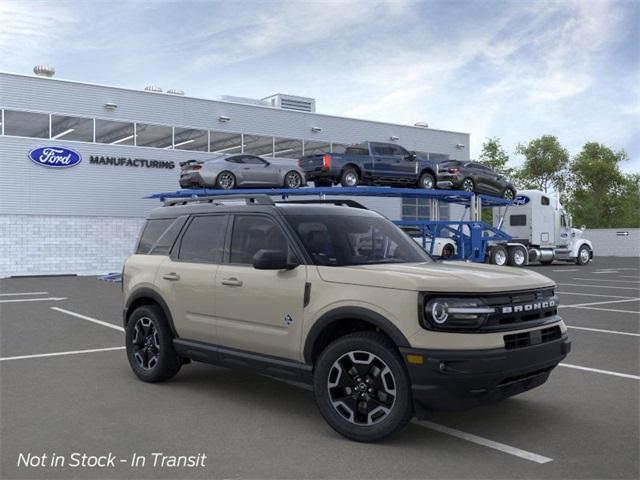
399,152
71,128
168,238
342,240
252,233
383,150
253,160
152,232
204,239
518,220
544,200
26,124
356,151
235,159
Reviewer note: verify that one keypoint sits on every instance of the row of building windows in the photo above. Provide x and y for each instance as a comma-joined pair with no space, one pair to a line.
113,132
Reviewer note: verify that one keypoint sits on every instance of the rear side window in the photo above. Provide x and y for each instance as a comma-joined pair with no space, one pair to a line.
356,151
518,220
151,233
203,241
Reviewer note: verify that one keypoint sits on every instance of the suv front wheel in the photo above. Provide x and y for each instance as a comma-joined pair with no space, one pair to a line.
362,388
149,344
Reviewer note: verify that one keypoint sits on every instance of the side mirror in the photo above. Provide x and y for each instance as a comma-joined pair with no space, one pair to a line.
583,228
273,260
412,156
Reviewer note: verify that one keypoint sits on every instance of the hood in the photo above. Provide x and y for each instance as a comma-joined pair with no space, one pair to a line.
450,277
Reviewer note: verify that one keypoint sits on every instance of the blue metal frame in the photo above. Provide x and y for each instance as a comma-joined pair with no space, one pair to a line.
471,237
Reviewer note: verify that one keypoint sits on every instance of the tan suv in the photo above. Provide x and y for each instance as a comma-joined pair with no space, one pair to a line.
337,297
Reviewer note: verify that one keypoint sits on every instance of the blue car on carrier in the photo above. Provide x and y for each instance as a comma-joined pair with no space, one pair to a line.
371,163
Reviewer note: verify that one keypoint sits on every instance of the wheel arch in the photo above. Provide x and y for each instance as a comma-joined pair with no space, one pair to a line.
147,296
430,171
354,166
343,320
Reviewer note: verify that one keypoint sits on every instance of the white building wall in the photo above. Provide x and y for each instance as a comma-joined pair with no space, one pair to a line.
613,241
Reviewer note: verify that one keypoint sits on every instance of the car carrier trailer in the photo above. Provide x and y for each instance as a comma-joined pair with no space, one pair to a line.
471,238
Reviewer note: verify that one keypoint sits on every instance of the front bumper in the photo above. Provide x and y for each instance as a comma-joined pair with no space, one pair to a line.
458,379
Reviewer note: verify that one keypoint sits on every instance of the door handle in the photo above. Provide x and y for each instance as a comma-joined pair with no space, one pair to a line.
232,282
173,276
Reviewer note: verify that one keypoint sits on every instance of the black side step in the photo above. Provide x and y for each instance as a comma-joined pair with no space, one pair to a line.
232,358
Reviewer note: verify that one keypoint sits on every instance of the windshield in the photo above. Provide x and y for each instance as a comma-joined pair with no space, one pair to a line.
342,240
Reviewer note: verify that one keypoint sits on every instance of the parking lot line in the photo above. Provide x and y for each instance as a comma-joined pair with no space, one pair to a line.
604,272
45,299
58,354
598,303
597,370
605,280
614,287
609,310
533,457
604,331
22,293
567,270
88,319
591,295
628,276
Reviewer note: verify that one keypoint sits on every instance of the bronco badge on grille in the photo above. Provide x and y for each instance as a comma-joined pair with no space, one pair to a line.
530,307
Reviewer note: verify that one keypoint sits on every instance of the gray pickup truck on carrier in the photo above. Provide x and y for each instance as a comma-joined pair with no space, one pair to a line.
371,163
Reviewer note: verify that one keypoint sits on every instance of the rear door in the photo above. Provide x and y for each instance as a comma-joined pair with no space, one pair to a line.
383,160
187,276
259,310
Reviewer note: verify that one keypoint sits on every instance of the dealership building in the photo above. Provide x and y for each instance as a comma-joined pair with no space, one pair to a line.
127,144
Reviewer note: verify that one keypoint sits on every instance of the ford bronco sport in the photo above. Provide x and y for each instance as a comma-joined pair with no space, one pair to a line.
337,297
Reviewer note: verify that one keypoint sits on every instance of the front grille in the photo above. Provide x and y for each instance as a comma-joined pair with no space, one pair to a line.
516,308
524,377
535,337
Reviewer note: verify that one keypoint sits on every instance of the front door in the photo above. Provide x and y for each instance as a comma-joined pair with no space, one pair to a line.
259,310
257,171
187,277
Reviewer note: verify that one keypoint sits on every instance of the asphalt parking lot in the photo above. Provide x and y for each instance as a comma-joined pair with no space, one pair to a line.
66,387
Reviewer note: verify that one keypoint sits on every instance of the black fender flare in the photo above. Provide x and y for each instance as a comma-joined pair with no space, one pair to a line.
145,292
351,313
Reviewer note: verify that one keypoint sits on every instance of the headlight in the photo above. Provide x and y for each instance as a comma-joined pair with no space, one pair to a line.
460,313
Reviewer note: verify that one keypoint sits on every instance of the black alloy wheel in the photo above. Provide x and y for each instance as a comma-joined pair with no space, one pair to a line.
293,179
509,194
468,185
362,388
149,345
226,180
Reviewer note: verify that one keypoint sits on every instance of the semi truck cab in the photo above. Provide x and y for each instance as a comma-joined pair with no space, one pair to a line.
538,221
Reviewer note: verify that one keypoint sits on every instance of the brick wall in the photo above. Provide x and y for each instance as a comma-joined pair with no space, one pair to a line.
43,245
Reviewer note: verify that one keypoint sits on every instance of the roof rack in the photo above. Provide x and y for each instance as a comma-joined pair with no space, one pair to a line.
339,202
259,199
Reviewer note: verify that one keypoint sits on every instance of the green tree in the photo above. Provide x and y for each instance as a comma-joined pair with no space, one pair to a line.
494,156
545,164
600,195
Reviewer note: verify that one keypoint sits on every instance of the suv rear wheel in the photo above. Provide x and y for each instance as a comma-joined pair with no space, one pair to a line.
362,388
149,344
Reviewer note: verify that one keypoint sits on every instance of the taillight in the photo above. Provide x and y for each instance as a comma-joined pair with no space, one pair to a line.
299,162
196,167
326,161
454,170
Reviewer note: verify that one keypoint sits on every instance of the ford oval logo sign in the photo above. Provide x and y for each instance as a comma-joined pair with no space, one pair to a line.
521,200
55,157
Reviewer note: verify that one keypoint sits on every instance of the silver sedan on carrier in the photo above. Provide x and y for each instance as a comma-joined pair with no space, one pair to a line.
241,170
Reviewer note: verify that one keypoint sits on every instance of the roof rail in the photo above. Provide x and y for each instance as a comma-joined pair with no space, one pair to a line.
345,202
218,199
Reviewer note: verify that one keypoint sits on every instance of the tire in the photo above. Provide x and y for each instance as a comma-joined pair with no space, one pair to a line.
370,350
427,181
226,180
292,180
518,256
448,251
508,194
468,185
149,344
584,255
499,255
349,177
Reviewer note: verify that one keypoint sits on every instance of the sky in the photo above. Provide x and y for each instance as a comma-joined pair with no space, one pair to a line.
509,69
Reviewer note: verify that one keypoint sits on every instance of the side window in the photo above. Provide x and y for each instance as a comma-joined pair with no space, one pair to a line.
563,220
168,238
251,160
544,201
237,159
518,220
252,233
203,241
379,149
399,151
151,233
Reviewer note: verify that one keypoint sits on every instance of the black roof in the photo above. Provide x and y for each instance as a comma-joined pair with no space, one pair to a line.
237,206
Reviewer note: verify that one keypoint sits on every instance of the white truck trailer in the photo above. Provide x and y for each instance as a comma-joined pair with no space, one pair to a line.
538,221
